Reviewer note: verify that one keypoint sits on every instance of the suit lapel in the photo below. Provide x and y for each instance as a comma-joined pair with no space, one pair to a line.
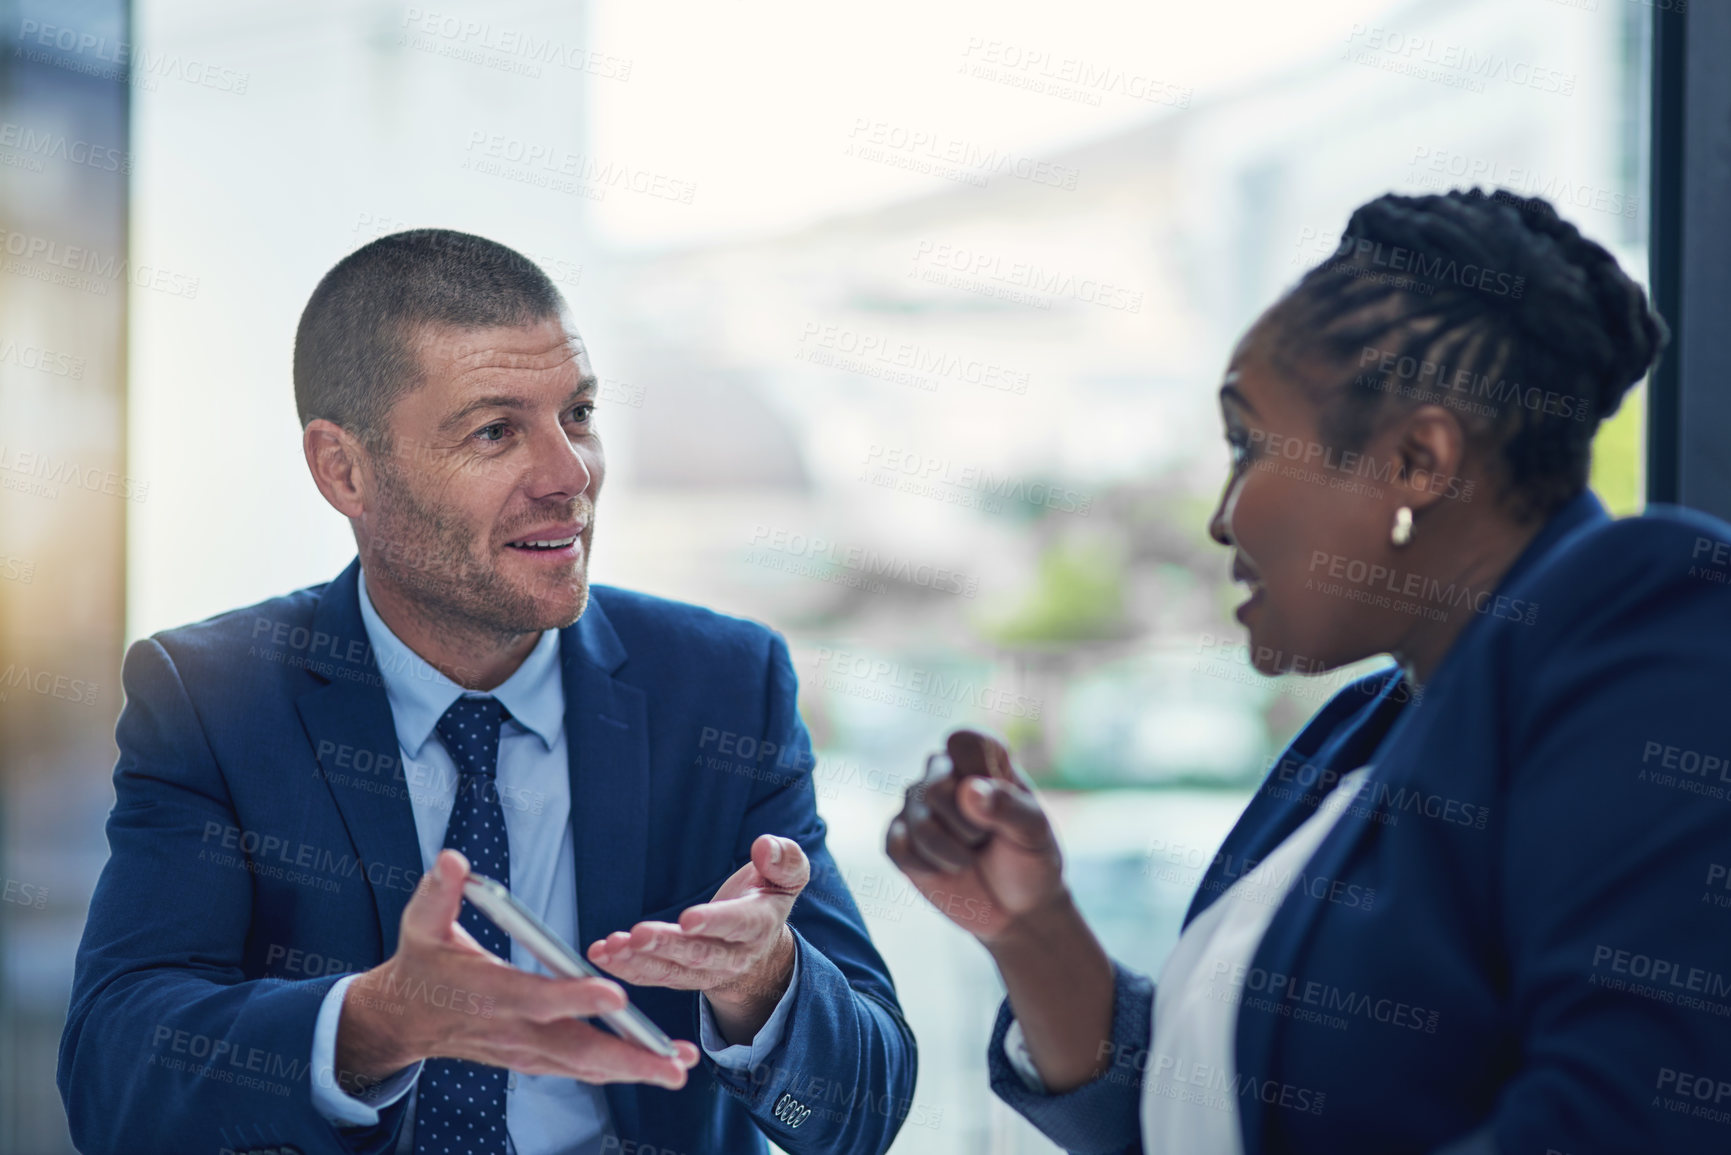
1391,734
1282,805
607,736
348,714
1382,731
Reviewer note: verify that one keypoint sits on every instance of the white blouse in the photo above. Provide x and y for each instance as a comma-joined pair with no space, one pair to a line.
1190,1088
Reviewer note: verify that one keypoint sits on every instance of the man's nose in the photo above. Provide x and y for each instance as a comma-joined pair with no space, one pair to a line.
559,468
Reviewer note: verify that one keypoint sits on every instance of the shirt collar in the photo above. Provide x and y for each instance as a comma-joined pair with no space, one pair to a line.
419,694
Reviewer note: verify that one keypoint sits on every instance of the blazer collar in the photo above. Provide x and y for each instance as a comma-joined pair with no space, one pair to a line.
348,718
1380,732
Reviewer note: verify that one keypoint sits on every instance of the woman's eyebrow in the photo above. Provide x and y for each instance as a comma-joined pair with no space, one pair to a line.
1231,392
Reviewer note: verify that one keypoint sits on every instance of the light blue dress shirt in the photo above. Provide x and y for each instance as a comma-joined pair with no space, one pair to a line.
544,1114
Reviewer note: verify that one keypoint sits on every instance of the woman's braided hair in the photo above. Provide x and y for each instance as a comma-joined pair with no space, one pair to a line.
1489,304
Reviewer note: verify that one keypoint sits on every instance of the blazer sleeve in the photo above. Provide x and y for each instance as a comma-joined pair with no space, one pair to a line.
1103,1116
842,1078
1617,823
167,1047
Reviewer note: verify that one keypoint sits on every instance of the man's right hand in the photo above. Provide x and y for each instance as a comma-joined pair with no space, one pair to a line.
443,995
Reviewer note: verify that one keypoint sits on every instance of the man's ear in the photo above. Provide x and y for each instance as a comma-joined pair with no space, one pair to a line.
339,466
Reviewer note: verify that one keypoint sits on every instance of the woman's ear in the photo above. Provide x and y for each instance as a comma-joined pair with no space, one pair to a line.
1429,449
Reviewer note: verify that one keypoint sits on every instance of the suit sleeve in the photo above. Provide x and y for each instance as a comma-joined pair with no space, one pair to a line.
167,1048
842,1078
1616,831
1104,1115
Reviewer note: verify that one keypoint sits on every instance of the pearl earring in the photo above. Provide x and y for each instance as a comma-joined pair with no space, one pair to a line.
1402,526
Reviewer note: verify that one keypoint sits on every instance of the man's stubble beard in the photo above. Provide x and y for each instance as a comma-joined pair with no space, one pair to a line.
431,559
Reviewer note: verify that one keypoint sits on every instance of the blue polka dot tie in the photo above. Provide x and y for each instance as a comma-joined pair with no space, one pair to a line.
459,1105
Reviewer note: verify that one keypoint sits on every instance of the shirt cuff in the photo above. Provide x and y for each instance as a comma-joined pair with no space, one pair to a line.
1021,1062
747,1056
337,1106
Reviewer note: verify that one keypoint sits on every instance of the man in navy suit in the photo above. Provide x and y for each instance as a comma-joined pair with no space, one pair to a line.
278,957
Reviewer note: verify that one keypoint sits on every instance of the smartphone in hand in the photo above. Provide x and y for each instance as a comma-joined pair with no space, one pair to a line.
495,901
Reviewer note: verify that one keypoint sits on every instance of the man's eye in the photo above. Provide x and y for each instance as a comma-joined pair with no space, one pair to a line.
493,432
584,412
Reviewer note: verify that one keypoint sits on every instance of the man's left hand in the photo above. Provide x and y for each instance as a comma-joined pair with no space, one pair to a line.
736,948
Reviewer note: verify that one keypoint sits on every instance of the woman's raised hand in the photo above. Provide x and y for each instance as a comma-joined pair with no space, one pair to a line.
973,839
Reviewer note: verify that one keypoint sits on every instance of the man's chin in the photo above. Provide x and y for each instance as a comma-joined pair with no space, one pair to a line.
555,612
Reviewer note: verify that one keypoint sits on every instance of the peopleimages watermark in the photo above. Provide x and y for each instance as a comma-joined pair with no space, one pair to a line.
292,860
837,1100
1693,1092
31,146
565,272
1409,268
42,475
40,359
1065,77
862,561
24,894
1401,373
1444,168
559,169
1232,659
1313,1001
901,362
1456,65
942,479
74,266
1375,800
502,47
106,58
1022,282
1386,587
763,760
18,676
1662,980
335,656
1680,768
1718,884
1348,469
1186,865
433,786
223,1060
886,895
1218,1087
1710,560
915,688
933,153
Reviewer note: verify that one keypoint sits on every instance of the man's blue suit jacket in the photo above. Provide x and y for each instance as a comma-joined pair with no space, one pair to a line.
263,843
1517,939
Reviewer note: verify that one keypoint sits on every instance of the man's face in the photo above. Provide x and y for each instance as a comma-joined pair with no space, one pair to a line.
485,504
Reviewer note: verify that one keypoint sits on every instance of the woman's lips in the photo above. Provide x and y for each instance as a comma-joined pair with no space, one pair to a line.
1255,599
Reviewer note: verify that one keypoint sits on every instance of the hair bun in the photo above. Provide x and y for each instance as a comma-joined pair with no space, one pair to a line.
1613,332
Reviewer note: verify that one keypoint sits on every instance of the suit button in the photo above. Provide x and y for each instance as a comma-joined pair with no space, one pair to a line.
790,1111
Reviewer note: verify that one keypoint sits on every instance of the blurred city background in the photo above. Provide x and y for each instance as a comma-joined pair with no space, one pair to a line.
909,317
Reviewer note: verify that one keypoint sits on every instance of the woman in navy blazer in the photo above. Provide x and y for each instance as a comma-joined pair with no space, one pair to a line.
1482,903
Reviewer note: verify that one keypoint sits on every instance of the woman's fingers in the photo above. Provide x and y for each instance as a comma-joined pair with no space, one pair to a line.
931,837
899,846
1006,809
975,753
940,795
